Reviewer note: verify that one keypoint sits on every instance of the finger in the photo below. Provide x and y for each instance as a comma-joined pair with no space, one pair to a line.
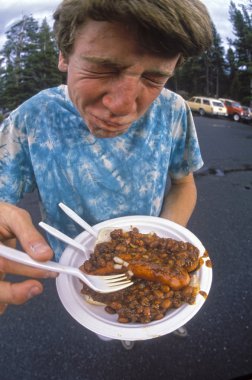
3,307
20,293
11,267
2,275
20,224
10,243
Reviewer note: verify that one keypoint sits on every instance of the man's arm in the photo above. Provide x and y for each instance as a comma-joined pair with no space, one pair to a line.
180,201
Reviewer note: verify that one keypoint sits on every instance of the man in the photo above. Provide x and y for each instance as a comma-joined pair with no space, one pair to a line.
108,142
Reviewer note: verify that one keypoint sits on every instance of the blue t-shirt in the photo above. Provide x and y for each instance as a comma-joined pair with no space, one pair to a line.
45,144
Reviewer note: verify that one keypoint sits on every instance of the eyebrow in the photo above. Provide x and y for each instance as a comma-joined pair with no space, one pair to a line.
119,66
103,61
160,73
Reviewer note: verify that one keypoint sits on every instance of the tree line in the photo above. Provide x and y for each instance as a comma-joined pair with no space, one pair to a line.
219,73
28,63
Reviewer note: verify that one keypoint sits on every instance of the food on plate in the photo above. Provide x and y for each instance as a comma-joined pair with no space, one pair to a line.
162,269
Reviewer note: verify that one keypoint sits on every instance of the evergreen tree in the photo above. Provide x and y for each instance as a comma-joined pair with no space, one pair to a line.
203,75
214,63
21,43
242,43
190,78
29,62
43,65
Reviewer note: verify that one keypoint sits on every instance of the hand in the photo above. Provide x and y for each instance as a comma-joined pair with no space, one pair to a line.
16,223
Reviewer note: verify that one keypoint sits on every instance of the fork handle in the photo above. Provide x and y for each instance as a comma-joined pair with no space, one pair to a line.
23,258
78,219
59,235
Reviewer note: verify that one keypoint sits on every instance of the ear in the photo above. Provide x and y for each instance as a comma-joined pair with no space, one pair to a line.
62,63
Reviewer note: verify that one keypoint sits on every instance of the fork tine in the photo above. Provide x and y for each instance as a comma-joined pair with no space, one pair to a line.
117,280
111,276
120,287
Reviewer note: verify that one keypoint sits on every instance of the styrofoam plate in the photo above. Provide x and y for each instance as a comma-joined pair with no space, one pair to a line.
95,318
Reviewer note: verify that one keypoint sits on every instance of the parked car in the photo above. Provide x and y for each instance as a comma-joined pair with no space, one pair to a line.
207,106
247,116
234,109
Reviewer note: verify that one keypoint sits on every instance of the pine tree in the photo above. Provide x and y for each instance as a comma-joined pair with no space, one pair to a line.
21,43
203,75
217,62
242,43
29,62
43,65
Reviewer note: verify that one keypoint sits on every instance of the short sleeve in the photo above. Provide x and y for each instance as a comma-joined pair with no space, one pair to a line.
16,174
185,152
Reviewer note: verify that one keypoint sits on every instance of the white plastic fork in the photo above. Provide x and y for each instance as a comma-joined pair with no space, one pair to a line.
101,284
72,214
66,239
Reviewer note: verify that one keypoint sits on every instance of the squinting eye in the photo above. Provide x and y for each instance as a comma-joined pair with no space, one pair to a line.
156,81
102,72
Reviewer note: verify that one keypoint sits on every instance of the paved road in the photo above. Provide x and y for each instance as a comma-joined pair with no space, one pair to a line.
41,341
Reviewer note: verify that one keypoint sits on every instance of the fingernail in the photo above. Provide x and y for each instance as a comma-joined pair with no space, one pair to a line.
39,248
35,291
51,275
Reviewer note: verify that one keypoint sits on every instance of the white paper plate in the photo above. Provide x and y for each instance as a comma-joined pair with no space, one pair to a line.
95,318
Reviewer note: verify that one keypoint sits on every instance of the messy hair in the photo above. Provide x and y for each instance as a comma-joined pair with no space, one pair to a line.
162,27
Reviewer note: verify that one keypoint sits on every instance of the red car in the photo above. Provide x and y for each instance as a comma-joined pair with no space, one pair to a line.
234,109
247,116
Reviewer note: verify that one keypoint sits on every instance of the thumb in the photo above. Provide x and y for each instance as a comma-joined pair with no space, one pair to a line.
19,223
19,293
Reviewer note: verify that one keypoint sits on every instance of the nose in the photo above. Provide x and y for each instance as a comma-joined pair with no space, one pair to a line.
122,96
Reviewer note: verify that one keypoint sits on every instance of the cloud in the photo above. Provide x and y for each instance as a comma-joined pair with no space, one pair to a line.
11,11
219,12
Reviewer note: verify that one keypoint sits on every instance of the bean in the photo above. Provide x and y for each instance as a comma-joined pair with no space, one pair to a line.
123,320
109,310
146,311
145,301
121,248
165,288
158,317
139,309
166,303
158,294
163,256
115,305
101,262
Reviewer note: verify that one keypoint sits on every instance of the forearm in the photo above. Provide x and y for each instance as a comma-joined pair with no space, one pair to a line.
180,201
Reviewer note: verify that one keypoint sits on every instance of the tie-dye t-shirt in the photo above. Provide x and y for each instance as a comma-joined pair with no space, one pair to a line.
45,145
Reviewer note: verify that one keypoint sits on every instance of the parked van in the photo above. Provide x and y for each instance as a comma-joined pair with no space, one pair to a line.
234,109
207,106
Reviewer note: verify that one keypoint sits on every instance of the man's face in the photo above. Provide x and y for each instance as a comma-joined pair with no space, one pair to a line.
111,80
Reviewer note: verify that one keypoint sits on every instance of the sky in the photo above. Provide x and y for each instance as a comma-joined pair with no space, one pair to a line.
13,10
